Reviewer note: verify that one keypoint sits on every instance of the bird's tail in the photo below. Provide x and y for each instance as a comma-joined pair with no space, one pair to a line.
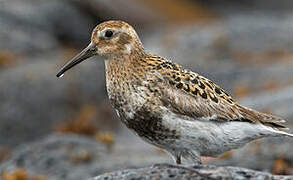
265,119
284,133
273,123
277,131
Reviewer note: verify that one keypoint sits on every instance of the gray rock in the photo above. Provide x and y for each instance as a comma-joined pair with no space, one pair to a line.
72,157
214,44
21,38
260,155
167,171
35,100
35,26
259,31
280,102
121,10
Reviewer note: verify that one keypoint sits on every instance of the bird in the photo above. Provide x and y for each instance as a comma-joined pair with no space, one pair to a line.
169,106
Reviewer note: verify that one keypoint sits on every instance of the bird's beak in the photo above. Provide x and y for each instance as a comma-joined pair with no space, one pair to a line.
88,52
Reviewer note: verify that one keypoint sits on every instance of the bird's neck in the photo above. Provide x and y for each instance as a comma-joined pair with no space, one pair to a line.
118,66
125,64
121,77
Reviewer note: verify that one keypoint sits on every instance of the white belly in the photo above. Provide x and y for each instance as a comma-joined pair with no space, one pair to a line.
211,138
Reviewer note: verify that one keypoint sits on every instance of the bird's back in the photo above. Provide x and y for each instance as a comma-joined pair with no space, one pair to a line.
191,94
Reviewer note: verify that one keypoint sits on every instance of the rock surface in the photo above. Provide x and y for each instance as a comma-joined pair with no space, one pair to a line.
35,101
71,157
167,171
38,26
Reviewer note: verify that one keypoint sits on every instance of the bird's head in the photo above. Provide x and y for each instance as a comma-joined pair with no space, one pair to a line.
111,40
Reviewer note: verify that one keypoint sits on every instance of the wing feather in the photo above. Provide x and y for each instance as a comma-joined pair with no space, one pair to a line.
190,94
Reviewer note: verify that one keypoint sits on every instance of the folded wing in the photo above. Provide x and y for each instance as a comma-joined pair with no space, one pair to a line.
188,93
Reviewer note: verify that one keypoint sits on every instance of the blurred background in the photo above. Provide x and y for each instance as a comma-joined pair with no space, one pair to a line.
54,128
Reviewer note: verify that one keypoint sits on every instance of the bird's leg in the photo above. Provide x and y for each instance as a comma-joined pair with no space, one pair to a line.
178,159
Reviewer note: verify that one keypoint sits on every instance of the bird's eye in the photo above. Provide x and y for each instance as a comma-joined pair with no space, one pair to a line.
108,33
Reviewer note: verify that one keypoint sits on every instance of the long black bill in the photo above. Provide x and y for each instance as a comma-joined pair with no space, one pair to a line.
88,52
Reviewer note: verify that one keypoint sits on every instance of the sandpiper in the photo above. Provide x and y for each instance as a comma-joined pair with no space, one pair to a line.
169,106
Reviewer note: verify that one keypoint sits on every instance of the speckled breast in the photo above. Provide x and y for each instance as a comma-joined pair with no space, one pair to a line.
148,125
137,105
141,117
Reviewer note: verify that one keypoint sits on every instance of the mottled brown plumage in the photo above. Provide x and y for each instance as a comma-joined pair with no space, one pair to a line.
169,106
204,97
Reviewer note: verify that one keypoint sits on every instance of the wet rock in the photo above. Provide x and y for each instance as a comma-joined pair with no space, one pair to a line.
167,171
